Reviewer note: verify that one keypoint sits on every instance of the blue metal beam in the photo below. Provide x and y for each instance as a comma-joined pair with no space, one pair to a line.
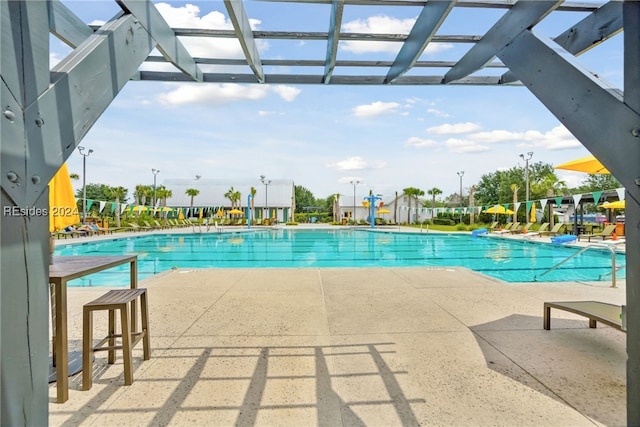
432,16
170,47
335,22
240,20
523,15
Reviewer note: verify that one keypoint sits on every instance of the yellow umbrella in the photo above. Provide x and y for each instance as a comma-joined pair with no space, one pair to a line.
235,212
181,215
63,208
500,210
220,213
619,204
532,218
587,164
383,211
200,214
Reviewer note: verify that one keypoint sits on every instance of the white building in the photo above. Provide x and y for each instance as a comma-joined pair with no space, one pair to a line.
278,196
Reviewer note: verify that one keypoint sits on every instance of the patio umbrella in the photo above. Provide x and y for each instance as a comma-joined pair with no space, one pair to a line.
533,213
498,210
587,164
235,212
383,211
63,208
618,204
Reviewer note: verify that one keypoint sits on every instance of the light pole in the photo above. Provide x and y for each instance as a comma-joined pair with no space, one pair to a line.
353,213
460,174
84,181
154,172
266,183
526,172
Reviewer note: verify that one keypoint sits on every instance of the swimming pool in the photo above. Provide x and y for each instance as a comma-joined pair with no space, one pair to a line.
505,259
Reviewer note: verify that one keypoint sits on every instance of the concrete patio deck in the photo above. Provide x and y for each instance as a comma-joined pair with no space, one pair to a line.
355,347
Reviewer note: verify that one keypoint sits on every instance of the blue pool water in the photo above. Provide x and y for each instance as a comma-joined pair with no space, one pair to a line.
509,260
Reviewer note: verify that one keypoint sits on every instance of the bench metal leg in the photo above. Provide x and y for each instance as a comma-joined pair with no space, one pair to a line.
126,345
144,311
547,317
87,349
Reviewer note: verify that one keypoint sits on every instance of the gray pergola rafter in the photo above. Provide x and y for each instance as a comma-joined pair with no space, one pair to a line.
47,111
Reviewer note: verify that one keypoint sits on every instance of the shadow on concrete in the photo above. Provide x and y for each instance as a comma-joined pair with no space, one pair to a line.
580,367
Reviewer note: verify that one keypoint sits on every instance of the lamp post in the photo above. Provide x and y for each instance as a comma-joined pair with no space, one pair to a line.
266,183
84,181
154,172
460,174
526,172
353,213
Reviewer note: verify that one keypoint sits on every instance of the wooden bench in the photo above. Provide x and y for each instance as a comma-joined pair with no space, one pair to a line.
118,299
595,311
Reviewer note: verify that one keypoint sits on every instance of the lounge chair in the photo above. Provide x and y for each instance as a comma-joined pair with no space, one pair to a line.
506,228
494,226
135,227
524,229
540,230
606,233
509,228
557,229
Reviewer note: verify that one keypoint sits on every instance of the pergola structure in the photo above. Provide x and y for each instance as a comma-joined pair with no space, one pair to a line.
46,111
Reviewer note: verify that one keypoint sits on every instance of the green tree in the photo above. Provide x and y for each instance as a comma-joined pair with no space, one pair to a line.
163,193
412,193
598,182
433,192
192,192
253,192
74,176
229,195
118,193
141,194
304,198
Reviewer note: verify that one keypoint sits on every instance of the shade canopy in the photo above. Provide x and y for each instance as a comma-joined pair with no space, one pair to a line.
63,209
499,209
618,204
587,164
235,212
384,211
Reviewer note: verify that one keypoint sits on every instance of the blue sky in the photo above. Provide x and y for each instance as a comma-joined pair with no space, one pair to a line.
323,137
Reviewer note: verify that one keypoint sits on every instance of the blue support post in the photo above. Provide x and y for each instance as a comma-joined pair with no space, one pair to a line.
249,197
372,205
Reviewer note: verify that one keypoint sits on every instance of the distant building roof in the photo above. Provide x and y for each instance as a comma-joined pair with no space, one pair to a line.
278,194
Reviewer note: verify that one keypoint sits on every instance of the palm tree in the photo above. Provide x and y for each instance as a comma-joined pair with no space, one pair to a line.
433,192
515,188
412,192
118,193
237,199
336,207
163,194
192,192
253,192
74,176
229,195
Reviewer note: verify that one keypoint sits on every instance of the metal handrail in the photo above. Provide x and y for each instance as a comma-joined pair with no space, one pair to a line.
581,251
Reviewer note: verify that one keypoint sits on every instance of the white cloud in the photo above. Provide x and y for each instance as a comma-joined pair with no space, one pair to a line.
453,129
266,113
97,22
460,146
288,93
351,163
382,24
211,94
558,138
375,109
414,141
438,113
54,59
222,93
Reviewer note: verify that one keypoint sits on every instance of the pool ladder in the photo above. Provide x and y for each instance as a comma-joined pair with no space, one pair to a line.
583,250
